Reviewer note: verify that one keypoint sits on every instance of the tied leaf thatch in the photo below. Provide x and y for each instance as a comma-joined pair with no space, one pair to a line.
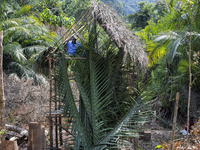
119,34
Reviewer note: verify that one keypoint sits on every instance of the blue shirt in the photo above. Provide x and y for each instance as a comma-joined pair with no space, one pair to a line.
71,48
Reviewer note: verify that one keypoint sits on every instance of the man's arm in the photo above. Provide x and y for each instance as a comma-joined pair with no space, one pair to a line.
65,47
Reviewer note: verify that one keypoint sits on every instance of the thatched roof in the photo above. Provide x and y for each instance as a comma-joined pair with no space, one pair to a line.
119,33
115,28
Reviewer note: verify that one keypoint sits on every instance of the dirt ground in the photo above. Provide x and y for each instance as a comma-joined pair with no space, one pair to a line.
157,137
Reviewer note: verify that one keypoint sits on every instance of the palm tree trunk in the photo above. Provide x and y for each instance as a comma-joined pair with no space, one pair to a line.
2,100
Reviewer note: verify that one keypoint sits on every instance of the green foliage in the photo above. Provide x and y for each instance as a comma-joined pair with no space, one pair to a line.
24,10
55,20
140,18
24,35
2,132
5,10
131,6
166,39
183,65
75,7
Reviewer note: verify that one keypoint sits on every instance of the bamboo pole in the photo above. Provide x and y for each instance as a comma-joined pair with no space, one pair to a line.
50,95
60,122
2,99
78,35
60,130
190,76
128,77
95,32
56,128
174,121
56,108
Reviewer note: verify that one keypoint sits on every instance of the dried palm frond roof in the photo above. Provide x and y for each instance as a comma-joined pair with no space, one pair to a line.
118,32
114,27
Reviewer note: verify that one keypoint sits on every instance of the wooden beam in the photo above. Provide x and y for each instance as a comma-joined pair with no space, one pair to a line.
78,35
72,58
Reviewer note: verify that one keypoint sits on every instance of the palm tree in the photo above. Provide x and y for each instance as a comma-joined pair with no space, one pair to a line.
24,37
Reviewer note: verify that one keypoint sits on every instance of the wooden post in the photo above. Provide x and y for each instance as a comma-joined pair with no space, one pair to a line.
136,141
56,120
10,145
174,121
36,137
2,99
128,77
60,130
60,127
59,106
50,95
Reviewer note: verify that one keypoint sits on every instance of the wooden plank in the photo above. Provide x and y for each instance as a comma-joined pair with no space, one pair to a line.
10,145
36,137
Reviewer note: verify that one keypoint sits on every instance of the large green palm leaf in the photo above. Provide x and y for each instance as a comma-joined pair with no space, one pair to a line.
77,136
106,111
15,51
127,127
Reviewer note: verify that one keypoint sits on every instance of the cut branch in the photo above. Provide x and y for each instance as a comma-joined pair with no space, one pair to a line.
19,130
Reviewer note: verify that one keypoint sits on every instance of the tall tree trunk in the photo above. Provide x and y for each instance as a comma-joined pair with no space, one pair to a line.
174,121
190,76
2,100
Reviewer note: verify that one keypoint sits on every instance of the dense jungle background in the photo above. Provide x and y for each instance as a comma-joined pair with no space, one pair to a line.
169,31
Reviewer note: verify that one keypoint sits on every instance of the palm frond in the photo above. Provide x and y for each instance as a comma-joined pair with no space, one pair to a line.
5,10
8,23
183,66
12,34
172,47
163,37
127,127
30,50
15,51
78,132
19,69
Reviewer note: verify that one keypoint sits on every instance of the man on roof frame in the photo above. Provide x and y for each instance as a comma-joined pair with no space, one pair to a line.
72,46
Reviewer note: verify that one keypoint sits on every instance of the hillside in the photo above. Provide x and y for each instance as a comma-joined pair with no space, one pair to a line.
125,7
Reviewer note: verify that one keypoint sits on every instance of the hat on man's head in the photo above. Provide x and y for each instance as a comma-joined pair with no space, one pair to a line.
74,37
